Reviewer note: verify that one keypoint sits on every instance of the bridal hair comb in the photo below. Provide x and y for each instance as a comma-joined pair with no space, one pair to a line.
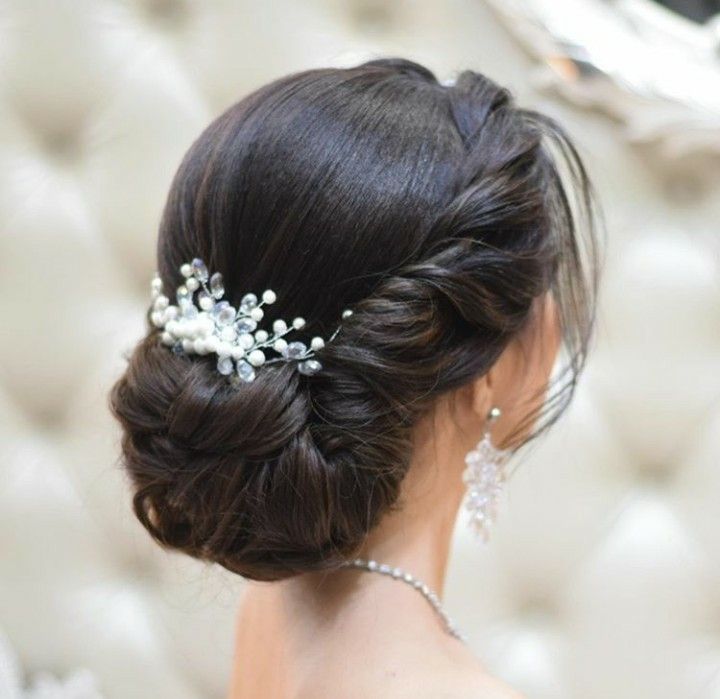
203,323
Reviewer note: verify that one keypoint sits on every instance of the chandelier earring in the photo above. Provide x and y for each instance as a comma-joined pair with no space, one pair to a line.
484,477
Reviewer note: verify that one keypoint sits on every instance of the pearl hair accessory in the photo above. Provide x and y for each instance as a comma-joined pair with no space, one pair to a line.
207,324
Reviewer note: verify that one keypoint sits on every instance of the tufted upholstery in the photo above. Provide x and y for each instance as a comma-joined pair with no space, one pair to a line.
603,577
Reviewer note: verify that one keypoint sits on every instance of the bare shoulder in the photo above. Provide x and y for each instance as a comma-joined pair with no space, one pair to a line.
459,674
468,683
454,674
410,671
418,684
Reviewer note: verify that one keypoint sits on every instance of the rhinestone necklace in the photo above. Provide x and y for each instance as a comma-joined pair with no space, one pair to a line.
399,574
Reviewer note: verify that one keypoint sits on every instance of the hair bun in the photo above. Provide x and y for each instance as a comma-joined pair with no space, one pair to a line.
234,474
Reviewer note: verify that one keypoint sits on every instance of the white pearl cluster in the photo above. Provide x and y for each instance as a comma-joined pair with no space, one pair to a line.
205,324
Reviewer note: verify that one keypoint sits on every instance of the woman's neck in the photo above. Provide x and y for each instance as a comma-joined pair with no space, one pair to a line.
327,614
415,537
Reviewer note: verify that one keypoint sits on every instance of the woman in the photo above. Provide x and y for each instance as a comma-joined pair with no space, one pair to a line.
365,277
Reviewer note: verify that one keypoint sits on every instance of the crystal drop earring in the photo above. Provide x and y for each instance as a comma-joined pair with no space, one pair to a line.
484,477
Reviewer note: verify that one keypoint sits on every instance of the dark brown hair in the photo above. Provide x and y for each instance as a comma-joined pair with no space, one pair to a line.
437,213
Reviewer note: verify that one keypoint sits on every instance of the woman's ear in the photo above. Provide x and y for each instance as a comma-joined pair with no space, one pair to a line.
482,396
518,380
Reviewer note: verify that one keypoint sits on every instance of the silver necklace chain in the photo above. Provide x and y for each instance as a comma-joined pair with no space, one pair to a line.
399,574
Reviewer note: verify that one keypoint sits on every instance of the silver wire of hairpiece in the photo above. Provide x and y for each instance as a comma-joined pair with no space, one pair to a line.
208,324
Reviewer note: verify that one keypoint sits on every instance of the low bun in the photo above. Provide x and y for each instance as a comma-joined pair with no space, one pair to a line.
285,475
435,213
251,477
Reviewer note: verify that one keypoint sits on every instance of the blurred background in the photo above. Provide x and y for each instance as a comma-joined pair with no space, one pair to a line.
603,577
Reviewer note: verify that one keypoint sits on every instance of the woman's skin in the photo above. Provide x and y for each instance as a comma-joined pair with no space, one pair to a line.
352,634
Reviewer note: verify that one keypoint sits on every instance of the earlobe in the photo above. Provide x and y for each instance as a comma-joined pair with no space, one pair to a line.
490,389
482,395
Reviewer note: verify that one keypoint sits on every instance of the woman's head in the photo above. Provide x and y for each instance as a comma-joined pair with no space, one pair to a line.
437,213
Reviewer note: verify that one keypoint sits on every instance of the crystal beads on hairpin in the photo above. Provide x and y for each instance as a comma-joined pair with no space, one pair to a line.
202,322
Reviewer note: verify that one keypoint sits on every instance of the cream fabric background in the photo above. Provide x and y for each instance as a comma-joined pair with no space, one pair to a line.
602,579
